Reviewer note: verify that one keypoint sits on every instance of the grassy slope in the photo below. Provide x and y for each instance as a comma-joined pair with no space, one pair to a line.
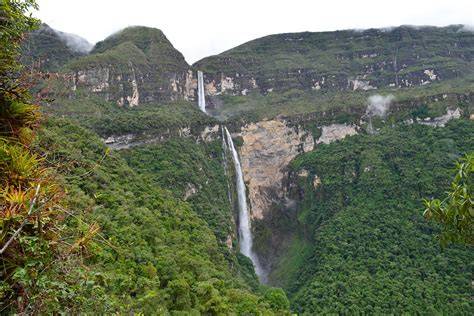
148,49
365,246
342,51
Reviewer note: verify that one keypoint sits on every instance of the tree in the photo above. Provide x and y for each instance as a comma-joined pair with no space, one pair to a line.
456,212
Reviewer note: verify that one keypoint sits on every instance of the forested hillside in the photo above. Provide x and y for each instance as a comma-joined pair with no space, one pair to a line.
362,245
153,252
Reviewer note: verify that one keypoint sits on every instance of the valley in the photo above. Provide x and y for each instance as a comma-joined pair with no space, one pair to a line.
283,176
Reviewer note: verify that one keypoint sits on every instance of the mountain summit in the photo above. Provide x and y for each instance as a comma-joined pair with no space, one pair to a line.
49,49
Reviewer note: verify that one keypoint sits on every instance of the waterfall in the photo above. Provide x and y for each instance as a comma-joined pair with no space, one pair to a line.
224,159
201,92
245,233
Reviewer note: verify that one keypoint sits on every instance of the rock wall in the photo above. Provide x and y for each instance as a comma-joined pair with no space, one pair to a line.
134,86
442,120
268,147
206,133
308,79
335,132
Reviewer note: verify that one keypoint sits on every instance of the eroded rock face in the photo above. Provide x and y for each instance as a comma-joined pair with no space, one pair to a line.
442,120
268,147
210,133
206,134
190,191
190,86
132,87
335,132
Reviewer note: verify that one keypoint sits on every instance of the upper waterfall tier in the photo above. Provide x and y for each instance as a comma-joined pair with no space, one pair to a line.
201,92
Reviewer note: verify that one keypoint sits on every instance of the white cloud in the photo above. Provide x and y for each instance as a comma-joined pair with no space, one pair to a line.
379,105
206,27
75,42
467,28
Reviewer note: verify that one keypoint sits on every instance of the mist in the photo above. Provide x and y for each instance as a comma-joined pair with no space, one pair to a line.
379,105
466,28
75,42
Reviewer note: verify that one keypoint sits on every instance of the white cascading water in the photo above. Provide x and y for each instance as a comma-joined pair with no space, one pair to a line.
224,159
245,234
201,92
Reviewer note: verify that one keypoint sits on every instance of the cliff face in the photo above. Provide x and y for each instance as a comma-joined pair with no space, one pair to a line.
134,85
137,65
341,61
268,147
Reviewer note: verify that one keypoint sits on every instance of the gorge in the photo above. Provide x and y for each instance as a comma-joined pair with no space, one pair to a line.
283,176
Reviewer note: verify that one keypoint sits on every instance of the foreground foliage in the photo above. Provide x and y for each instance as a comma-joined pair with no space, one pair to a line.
456,211
30,210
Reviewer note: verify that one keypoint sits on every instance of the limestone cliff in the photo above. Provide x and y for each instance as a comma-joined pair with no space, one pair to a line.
267,148
137,65
347,60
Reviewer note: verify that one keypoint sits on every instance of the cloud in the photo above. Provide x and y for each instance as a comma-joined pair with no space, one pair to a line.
203,28
379,105
466,28
75,42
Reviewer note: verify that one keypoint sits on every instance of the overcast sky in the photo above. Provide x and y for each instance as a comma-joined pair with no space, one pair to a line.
207,27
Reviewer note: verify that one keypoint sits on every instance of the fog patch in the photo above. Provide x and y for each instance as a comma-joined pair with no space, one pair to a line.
75,42
378,106
466,28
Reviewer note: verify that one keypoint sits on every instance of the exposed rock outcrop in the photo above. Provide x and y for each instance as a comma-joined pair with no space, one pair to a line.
441,121
268,147
204,133
335,132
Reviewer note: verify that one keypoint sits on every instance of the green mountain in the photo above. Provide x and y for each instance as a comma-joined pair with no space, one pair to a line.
136,65
306,72
152,42
340,135
346,60
357,241
46,49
